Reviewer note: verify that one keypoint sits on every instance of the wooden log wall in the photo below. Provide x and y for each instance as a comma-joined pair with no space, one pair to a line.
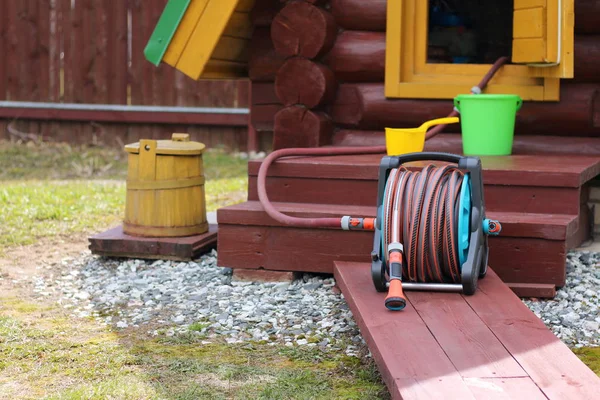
353,62
300,33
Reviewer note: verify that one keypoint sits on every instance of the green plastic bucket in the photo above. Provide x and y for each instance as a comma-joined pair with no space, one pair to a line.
487,122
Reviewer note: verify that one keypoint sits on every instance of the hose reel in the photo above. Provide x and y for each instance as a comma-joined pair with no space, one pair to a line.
431,229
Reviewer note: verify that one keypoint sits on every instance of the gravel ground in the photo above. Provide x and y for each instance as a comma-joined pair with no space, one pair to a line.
167,297
202,298
573,314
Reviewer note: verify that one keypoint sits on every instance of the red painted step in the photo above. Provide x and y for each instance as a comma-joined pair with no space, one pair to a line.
530,250
445,345
532,184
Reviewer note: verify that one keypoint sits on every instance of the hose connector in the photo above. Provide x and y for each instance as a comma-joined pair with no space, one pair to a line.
357,224
491,227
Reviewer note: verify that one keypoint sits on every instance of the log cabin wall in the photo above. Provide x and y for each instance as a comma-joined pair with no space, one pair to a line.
317,71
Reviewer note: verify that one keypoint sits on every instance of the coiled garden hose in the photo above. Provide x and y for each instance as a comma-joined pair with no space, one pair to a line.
421,212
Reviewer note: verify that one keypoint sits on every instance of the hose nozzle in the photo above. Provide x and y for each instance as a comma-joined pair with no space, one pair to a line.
395,299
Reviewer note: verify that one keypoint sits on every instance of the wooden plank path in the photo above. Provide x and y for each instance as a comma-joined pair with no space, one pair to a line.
450,346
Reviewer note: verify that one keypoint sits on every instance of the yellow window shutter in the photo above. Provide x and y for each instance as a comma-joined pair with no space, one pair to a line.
543,35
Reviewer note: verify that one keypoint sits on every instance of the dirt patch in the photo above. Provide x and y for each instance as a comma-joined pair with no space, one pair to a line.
22,262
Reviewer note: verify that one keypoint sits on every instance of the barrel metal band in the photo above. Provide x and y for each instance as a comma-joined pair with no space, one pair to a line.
165,184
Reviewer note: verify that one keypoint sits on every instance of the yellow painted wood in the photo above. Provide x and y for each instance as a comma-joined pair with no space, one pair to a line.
529,23
207,34
535,34
408,75
547,51
451,90
230,49
468,80
147,167
508,73
184,31
394,48
178,145
216,69
165,189
566,68
552,89
245,5
212,31
239,25
165,184
530,51
522,4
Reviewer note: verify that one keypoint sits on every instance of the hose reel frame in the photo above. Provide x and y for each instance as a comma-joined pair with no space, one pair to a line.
475,265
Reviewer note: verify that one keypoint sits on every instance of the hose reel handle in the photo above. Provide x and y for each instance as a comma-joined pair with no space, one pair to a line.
428,156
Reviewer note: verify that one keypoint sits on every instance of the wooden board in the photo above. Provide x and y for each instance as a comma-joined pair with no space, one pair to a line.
517,170
535,199
555,369
248,238
114,243
514,224
452,346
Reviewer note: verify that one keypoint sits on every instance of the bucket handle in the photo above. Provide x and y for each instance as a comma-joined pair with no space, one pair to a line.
457,104
439,121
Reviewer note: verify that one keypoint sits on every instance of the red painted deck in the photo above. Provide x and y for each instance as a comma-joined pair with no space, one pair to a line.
449,346
541,201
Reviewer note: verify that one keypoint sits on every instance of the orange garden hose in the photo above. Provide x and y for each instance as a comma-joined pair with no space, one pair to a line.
420,221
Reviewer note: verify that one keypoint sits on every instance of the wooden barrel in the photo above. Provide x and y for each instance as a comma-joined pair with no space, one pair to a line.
165,188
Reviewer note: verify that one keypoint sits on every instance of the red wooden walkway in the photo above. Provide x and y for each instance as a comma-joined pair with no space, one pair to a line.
449,346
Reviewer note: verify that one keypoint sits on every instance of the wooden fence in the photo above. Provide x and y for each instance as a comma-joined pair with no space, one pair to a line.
91,52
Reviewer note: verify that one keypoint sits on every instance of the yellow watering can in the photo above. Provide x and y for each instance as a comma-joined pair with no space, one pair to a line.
411,140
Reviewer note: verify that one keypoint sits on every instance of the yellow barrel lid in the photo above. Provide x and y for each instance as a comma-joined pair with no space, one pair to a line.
178,145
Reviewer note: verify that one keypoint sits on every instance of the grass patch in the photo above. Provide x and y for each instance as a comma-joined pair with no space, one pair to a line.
36,209
49,190
60,161
57,358
590,356
116,388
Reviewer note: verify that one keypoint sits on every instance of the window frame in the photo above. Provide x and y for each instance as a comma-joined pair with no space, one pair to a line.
408,75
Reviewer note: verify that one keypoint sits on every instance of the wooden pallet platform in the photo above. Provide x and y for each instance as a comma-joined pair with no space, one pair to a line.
450,346
115,243
540,199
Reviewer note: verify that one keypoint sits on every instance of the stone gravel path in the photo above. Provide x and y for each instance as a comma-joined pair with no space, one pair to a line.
573,314
180,296
168,297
